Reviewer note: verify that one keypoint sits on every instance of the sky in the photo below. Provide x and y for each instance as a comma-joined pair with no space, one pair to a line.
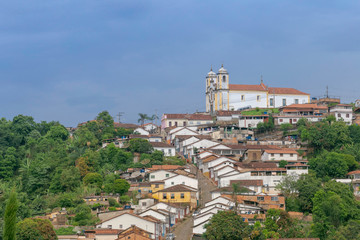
68,60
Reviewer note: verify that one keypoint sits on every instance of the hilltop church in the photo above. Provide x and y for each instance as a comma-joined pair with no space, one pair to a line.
221,95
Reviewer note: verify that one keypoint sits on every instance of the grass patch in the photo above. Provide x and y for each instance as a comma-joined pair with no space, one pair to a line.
260,111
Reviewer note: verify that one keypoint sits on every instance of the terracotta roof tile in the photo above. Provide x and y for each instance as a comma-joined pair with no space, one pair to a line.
161,144
282,150
165,167
247,182
243,87
178,188
292,91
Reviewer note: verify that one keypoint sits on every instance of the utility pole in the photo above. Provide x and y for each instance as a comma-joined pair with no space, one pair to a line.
327,91
119,115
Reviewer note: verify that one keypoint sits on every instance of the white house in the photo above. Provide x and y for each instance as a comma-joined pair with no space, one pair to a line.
199,145
251,121
126,220
141,131
167,149
280,154
160,175
155,138
181,179
343,112
163,217
181,131
150,127
179,211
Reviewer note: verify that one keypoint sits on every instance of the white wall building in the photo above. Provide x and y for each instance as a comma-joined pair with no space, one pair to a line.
167,149
279,154
181,179
126,220
160,175
343,112
221,95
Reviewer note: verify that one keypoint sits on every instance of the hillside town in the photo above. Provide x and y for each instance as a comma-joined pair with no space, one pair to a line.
239,159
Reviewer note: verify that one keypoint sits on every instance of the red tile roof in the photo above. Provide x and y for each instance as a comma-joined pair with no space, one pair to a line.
161,144
247,182
243,87
285,91
354,172
178,188
104,231
227,113
165,167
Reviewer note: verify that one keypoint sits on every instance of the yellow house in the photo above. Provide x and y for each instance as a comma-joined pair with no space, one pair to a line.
156,186
177,194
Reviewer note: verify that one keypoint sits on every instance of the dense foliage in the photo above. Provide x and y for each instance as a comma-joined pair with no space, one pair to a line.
50,167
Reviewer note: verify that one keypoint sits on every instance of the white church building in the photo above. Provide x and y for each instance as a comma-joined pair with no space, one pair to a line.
221,95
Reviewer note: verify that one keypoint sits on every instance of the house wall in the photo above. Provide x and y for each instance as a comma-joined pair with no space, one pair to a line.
168,152
142,131
181,179
127,220
205,217
290,99
132,236
235,101
160,175
250,121
277,157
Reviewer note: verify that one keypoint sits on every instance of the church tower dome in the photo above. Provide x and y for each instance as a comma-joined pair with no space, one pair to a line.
222,70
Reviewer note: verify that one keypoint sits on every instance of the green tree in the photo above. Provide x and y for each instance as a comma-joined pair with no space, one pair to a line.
282,163
142,118
58,132
227,225
121,186
10,217
94,179
140,146
35,229
83,216
331,165
307,186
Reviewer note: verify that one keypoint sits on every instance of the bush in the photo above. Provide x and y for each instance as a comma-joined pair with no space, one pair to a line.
125,199
113,202
65,231
93,178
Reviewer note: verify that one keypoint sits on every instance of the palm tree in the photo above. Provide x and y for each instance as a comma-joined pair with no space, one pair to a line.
153,118
143,117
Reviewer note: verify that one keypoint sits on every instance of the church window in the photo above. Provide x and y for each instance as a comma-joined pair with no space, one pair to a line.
258,98
271,102
296,101
184,123
176,124
170,123
242,97
284,102
224,79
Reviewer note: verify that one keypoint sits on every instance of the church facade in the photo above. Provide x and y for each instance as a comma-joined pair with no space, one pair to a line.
221,95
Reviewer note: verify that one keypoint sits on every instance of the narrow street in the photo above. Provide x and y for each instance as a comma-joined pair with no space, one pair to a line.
184,230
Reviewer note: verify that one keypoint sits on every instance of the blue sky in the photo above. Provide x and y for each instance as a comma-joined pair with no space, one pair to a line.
69,60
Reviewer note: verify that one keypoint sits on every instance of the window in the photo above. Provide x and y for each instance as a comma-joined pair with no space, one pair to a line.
339,115
152,176
347,115
175,124
260,199
172,196
169,151
182,195
172,183
272,155
143,204
157,185
183,183
121,226
224,79
198,122
184,123
280,120
296,101
242,97
281,154
170,123
109,226
271,102
258,98
294,120
291,154
284,102
167,175
274,199
164,196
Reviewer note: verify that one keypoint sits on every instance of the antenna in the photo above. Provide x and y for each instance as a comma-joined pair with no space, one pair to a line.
119,115
327,91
